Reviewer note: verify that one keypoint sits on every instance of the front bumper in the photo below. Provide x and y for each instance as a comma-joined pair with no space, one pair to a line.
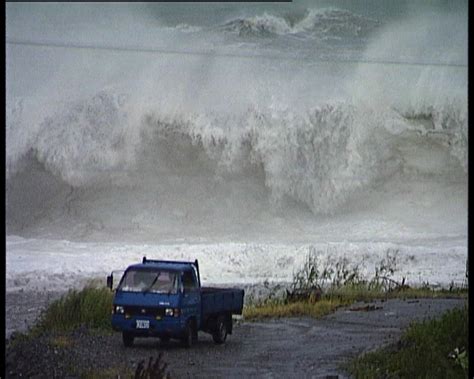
167,326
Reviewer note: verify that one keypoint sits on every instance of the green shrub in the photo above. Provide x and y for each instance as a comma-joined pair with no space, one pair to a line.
90,307
340,283
316,273
429,349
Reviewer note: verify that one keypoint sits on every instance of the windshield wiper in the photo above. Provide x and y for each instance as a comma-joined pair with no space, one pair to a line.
152,283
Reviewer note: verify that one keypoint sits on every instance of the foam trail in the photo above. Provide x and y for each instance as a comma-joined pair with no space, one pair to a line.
228,263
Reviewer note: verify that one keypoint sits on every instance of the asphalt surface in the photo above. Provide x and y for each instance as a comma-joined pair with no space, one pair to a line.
279,348
302,347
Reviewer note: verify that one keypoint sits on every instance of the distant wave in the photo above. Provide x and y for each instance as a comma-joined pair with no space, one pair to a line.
324,23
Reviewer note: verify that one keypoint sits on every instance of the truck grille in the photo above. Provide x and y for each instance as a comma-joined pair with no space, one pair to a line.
144,311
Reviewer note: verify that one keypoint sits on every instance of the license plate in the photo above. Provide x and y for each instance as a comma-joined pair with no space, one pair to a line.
143,324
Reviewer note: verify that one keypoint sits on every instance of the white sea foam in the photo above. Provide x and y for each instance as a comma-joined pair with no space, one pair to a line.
274,127
323,23
58,265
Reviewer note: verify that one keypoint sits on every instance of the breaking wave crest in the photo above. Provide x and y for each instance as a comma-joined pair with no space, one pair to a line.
323,23
348,119
318,158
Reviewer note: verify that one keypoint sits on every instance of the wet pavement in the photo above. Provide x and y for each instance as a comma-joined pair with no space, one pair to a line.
279,348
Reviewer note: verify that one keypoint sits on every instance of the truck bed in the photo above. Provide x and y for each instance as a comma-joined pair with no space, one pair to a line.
221,300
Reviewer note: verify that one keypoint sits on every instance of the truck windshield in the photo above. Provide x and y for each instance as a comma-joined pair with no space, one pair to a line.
136,280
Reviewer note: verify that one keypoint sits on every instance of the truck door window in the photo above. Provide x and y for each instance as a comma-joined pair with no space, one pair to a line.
189,283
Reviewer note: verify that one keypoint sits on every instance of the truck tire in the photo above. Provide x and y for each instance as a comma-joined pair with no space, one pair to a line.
188,338
220,333
127,339
195,332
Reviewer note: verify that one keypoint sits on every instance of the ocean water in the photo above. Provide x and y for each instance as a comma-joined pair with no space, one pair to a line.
210,126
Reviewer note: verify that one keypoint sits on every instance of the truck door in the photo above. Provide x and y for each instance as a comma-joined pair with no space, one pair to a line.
191,305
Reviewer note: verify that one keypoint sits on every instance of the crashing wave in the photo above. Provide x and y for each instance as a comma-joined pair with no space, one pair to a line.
324,23
447,124
319,157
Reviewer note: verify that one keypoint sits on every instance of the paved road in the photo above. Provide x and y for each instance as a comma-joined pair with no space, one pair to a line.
282,348
297,347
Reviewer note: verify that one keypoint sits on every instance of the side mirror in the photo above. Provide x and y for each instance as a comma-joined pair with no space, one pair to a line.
110,280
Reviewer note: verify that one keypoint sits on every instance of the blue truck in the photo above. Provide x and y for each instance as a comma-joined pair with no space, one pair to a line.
160,298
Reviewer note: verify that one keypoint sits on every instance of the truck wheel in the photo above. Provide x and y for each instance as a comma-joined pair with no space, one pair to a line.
188,338
195,332
220,333
127,339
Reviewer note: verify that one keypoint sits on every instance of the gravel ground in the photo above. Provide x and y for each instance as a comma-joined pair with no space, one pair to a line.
282,348
22,308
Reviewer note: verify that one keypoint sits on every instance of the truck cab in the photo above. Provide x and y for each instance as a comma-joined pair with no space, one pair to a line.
164,299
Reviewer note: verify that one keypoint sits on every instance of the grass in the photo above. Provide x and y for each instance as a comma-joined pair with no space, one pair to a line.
429,349
61,341
90,307
106,373
341,296
300,308
340,284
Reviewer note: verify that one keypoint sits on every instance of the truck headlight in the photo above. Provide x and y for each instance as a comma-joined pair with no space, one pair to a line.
169,312
172,312
119,309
